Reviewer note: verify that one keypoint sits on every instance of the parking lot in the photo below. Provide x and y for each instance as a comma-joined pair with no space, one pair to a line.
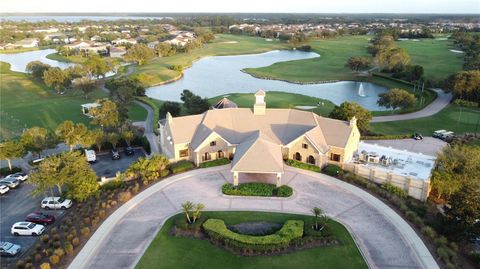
16,204
106,167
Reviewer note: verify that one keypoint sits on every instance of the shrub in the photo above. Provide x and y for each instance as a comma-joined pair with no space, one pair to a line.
113,203
181,166
45,265
304,166
443,254
136,187
429,232
101,213
45,238
124,196
54,259
332,170
394,190
85,231
465,103
291,230
257,189
75,241
164,173
441,241
68,248
213,163
112,185
410,215
37,257
386,137
5,171
20,264
59,252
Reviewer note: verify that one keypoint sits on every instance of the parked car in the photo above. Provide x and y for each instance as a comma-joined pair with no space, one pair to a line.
129,151
447,136
27,228
12,183
91,156
40,218
20,176
115,154
56,203
438,133
8,249
4,189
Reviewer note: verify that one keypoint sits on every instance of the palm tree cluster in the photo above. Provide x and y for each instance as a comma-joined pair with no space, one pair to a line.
192,211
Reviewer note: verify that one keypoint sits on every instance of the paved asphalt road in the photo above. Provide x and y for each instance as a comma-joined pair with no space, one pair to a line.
385,239
443,99
106,167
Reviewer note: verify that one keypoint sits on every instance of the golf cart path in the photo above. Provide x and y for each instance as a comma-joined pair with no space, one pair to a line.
383,237
442,100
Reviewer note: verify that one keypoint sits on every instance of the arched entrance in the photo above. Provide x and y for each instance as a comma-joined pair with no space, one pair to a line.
297,156
311,160
207,157
220,154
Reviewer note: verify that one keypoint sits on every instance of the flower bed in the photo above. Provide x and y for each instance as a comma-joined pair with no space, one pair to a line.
257,189
218,231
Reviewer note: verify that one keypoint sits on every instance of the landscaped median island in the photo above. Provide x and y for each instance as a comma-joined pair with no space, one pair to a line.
257,189
252,240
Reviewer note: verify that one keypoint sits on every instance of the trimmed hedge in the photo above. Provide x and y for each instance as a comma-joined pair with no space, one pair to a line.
5,171
332,170
257,189
213,163
394,190
181,166
304,166
217,230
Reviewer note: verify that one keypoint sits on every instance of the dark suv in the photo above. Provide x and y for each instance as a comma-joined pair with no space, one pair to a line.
129,151
115,154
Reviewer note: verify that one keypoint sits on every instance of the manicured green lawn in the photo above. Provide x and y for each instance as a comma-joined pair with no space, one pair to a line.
454,118
435,56
26,103
157,70
334,54
280,100
67,59
167,251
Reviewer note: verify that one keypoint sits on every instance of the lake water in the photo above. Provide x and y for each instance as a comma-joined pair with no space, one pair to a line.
219,75
18,61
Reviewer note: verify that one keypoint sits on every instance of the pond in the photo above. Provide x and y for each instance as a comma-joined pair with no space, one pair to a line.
219,75
18,61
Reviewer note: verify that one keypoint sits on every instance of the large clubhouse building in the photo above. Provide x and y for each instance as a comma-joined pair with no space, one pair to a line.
258,140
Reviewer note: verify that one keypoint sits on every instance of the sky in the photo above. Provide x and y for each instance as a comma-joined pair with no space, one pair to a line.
246,6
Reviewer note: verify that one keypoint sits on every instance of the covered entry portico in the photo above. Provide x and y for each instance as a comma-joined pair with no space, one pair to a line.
258,155
275,178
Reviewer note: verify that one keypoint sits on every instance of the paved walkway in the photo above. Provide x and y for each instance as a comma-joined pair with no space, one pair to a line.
384,238
443,99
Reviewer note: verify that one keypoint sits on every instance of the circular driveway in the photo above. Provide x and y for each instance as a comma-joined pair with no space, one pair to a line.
384,238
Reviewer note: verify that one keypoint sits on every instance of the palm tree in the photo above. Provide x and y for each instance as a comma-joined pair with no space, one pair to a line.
187,207
198,210
317,212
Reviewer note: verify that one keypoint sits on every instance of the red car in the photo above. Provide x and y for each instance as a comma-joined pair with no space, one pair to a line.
40,218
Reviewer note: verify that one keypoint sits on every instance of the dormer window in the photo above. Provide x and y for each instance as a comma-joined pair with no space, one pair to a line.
305,146
213,143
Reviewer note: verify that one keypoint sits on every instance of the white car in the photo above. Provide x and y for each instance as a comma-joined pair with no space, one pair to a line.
91,156
27,228
56,203
20,176
4,189
8,249
12,183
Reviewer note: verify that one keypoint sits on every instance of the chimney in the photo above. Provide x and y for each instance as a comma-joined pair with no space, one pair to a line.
260,106
169,118
353,121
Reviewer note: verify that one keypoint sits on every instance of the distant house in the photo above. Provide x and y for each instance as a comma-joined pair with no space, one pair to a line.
153,44
123,41
27,43
87,107
117,52
88,46
96,38
7,46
